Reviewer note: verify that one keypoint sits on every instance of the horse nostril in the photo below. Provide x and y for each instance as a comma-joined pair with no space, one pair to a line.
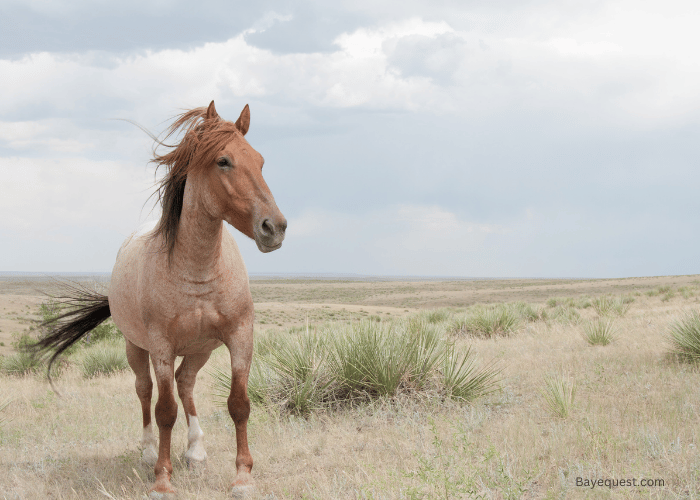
267,228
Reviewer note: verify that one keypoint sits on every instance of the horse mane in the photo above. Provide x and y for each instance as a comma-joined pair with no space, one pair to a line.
203,138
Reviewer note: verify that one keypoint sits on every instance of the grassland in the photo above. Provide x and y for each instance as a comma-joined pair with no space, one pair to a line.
631,411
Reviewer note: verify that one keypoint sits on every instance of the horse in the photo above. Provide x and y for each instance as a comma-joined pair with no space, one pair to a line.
182,288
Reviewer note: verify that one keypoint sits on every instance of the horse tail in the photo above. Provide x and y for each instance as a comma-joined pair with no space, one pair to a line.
88,309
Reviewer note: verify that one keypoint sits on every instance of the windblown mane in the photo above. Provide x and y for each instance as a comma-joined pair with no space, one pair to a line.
202,139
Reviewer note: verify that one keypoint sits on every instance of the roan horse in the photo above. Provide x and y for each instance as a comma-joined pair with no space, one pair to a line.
182,289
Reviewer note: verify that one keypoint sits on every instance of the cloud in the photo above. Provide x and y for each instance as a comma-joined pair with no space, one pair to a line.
435,57
42,193
408,65
422,133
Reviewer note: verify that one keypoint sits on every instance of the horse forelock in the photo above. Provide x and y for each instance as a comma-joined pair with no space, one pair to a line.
201,141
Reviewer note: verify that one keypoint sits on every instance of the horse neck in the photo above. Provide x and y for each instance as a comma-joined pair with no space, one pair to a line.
198,248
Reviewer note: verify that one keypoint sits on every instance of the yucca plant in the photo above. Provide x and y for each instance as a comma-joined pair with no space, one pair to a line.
559,393
299,365
602,305
489,322
528,312
304,372
461,378
437,315
371,359
583,302
21,363
427,348
565,314
684,337
606,305
599,332
261,383
104,361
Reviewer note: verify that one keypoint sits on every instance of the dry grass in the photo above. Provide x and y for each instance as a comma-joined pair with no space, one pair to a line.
636,415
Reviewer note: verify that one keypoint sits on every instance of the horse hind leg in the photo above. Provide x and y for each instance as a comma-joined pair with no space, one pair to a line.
138,360
186,375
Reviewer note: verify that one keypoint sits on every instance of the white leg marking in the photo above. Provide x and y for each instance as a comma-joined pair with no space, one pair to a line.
195,444
149,447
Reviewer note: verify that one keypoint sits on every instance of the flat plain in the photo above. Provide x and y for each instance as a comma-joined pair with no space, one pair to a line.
635,414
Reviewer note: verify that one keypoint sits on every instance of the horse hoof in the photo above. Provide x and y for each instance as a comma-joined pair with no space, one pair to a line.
242,492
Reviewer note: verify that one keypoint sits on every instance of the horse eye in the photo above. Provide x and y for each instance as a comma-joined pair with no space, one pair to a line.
222,162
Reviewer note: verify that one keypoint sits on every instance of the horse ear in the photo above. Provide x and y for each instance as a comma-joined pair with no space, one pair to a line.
211,112
243,122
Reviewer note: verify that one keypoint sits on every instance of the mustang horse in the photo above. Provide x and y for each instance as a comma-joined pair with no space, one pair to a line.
182,289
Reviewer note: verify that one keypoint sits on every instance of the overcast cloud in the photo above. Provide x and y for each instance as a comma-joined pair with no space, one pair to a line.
414,138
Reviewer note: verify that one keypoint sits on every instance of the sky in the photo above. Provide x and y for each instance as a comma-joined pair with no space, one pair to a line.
529,138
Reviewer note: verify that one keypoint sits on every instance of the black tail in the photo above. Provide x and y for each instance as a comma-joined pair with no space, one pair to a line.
87,310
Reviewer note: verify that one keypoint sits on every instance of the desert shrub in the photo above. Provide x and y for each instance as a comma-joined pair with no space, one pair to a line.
559,393
684,337
50,310
599,332
106,360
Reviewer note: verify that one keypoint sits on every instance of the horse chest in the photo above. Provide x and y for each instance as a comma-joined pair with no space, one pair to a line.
201,319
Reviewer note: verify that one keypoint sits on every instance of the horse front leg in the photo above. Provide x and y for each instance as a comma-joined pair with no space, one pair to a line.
166,414
185,376
239,408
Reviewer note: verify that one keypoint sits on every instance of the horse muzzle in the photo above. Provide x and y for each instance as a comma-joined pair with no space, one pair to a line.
269,233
